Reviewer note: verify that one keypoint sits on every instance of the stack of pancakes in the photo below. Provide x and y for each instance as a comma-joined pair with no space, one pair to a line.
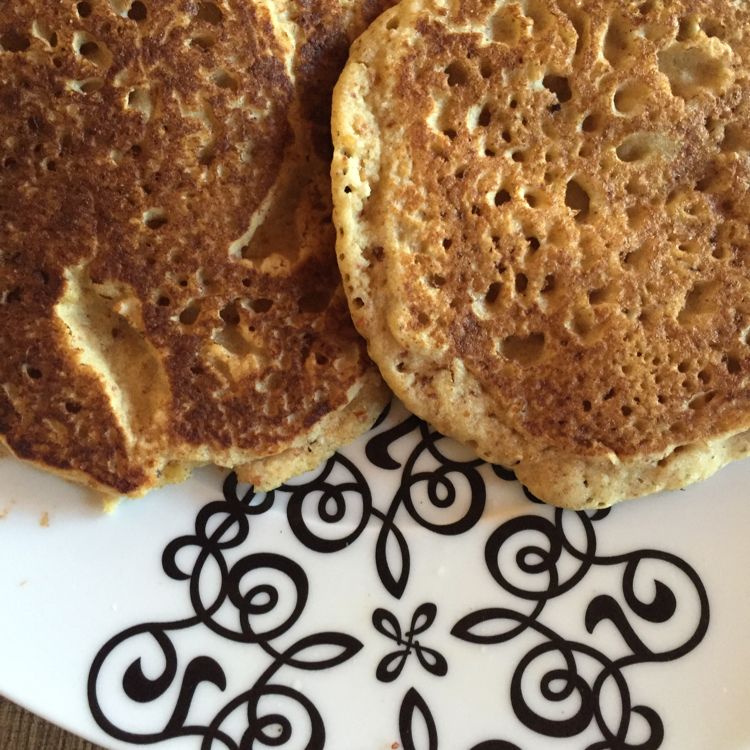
543,217
540,219
169,288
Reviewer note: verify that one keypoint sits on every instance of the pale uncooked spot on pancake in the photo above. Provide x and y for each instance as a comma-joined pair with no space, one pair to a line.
169,294
543,231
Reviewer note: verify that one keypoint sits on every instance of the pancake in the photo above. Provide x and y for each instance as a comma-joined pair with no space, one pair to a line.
542,212
168,282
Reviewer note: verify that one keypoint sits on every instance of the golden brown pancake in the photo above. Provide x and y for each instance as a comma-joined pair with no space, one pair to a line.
542,212
169,288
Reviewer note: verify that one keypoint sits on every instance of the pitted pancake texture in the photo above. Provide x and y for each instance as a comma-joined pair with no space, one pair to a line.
168,283
543,227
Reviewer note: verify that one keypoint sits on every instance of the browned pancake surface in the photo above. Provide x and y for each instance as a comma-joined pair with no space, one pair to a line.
170,294
543,215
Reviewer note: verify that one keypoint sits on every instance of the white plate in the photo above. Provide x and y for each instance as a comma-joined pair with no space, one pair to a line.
404,595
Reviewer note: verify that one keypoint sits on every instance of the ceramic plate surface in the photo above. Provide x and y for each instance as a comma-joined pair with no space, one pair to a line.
402,596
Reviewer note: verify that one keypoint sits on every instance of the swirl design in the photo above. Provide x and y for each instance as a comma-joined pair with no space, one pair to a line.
412,478
340,497
247,607
574,673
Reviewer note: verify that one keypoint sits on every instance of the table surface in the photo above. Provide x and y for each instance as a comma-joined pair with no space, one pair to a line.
21,730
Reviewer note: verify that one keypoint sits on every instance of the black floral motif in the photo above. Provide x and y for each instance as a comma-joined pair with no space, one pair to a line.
414,709
413,706
328,499
391,666
564,659
219,528
412,479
